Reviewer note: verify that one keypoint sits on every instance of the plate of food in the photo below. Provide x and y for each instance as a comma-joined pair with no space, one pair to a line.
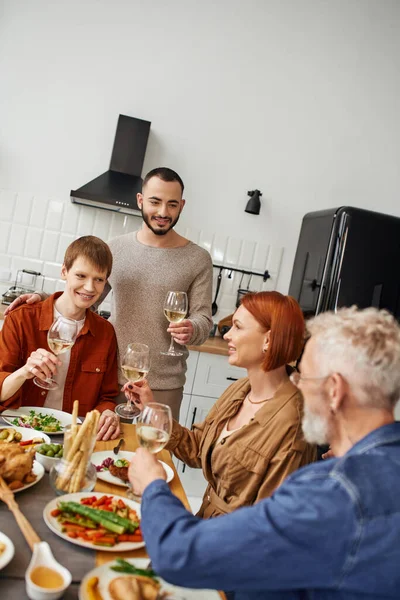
44,420
26,438
6,550
97,521
130,579
18,467
114,468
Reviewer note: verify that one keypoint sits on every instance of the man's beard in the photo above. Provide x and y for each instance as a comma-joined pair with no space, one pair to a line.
158,231
315,428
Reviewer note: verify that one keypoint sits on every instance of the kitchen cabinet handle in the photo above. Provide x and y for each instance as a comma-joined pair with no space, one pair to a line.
191,425
193,416
232,378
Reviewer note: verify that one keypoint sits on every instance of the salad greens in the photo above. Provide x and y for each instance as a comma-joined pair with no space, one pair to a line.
123,566
39,421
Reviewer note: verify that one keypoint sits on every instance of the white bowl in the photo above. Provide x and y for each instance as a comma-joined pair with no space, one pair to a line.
43,557
46,461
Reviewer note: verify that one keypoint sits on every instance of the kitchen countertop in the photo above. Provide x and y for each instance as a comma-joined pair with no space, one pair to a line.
213,345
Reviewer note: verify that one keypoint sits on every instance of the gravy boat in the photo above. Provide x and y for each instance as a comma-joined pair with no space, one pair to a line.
43,557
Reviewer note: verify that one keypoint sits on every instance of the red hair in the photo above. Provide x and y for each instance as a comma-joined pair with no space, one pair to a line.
283,317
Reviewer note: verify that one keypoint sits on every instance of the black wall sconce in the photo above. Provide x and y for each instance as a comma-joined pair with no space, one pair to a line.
253,206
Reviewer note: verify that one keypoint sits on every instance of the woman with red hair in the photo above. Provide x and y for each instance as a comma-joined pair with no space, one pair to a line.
251,439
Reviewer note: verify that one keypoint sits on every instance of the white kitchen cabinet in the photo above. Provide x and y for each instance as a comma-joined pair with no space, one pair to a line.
191,364
192,479
214,374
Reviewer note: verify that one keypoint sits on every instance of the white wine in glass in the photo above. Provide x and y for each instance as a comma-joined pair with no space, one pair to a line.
154,426
135,366
175,309
153,430
60,338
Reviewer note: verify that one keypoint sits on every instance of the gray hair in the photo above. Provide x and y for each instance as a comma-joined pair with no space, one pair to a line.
364,347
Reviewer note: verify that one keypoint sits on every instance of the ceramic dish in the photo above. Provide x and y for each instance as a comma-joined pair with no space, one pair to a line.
8,551
98,457
105,574
55,526
28,434
64,417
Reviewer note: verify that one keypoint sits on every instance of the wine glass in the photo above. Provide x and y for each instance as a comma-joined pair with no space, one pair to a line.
60,338
154,426
153,430
135,365
175,309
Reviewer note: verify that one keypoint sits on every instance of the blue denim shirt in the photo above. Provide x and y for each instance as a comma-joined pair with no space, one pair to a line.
330,532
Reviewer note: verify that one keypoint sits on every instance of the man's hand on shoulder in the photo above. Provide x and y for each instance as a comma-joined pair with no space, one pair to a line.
181,332
28,298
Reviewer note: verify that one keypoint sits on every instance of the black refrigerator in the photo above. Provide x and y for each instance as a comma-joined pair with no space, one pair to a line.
347,256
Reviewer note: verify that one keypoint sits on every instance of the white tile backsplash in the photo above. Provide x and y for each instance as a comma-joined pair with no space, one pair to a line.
246,255
33,242
23,208
7,205
39,212
5,229
71,217
52,270
38,240
54,215
65,240
16,240
49,245
86,221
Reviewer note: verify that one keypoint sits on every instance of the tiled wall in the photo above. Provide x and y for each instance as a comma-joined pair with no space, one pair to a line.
35,231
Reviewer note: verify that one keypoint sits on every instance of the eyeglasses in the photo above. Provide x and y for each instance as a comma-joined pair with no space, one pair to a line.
296,378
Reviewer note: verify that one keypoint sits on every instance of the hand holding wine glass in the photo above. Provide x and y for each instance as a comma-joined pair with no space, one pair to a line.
60,338
135,366
175,309
153,430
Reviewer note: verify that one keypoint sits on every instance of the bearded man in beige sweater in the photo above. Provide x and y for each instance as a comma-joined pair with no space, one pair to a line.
146,265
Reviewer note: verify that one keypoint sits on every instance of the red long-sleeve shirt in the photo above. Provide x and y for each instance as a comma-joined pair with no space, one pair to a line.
92,373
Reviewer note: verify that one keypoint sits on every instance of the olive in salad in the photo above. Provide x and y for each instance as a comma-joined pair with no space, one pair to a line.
51,450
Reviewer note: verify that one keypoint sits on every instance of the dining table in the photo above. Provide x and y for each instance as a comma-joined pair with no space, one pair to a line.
77,559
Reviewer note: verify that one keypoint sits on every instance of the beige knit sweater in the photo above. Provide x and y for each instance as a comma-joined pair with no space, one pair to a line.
141,277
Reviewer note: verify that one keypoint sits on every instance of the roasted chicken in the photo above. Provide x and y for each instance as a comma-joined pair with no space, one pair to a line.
16,465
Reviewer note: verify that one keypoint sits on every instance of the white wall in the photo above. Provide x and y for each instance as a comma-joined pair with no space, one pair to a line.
298,98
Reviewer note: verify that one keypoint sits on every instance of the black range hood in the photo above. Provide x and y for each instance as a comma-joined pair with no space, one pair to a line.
116,189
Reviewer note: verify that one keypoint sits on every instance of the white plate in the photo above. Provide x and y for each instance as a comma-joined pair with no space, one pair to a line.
64,417
37,470
27,433
8,552
106,574
98,457
55,526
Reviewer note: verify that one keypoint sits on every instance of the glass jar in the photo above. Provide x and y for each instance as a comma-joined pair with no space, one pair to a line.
60,472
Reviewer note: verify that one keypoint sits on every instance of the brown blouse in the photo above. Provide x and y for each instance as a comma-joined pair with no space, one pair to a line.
252,462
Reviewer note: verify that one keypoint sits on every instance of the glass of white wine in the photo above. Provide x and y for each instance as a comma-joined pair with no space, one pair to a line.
153,430
60,338
154,426
175,309
135,366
